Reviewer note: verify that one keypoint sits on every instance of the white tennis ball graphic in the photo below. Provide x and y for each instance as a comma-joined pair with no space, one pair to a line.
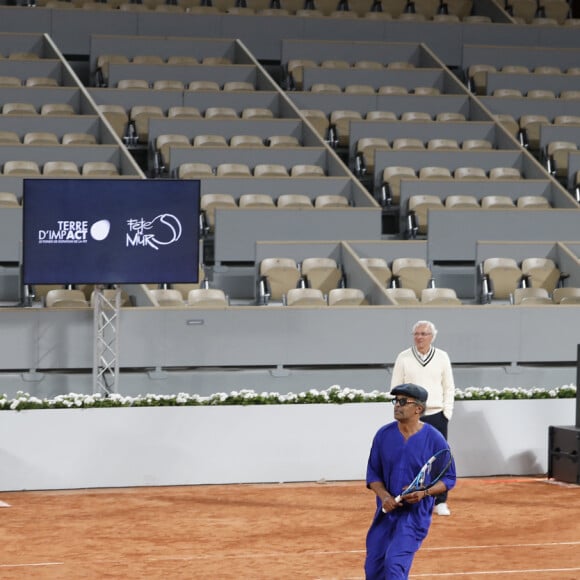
100,230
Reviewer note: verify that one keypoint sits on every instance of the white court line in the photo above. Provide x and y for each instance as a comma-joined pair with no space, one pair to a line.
494,546
494,572
31,565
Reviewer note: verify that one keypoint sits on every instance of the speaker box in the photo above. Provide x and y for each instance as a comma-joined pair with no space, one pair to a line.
564,454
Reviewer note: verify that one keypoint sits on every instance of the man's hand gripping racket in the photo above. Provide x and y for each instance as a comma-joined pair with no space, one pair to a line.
435,467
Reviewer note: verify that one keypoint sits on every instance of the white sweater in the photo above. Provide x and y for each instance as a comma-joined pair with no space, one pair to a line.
433,372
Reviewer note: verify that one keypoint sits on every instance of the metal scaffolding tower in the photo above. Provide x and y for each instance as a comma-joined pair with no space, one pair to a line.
107,307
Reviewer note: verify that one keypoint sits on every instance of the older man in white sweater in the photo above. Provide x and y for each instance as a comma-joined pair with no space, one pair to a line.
430,367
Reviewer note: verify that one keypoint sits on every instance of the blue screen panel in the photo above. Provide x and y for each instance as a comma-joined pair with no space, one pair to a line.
110,231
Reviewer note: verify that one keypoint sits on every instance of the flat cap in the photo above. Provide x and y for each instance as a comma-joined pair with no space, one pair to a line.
411,390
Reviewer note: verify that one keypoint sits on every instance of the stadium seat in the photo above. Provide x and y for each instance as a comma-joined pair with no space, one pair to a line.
167,297
411,273
322,273
65,298
380,269
530,297
503,275
212,201
207,298
440,297
541,273
281,275
566,295
298,297
419,206
346,297
294,201
331,201
403,296
256,200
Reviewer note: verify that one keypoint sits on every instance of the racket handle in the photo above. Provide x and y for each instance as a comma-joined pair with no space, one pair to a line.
397,500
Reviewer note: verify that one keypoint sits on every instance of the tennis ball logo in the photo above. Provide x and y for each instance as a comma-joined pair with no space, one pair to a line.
100,230
165,229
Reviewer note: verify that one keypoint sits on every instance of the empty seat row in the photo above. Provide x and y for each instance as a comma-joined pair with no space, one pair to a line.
46,138
536,93
200,170
26,168
165,84
45,109
409,273
428,296
535,296
196,298
12,81
361,89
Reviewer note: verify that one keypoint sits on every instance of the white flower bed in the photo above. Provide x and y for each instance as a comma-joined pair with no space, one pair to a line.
334,394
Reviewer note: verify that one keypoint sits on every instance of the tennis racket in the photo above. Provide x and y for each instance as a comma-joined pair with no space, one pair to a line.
433,470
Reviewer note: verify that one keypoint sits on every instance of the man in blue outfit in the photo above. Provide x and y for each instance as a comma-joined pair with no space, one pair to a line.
398,452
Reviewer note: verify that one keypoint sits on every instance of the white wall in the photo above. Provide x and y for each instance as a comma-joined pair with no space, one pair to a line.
87,448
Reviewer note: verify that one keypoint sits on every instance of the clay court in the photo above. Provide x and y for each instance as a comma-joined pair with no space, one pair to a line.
500,528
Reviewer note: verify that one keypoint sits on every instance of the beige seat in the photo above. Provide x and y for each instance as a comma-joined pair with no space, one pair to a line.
461,202
566,295
570,94
65,298
183,112
476,145
443,145
256,200
380,269
233,170
541,94
10,81
257,113
165,142
378,115
346,297
40,138
366,147
341,119
294,201
181,59
79,139
216,60
504,173
547,70
359,89
282,275
532,202
392,180
270,170
167,297
296,68
105,60
209,141
440,297
57,109
507,93
283,141
477,75
541,273
19,109
318,119
207,298
435,172
99,168
322,273
504,274
169,8
567,120
117,117
530,127
335,63
368,64
411,273
450,117
131,84
420,205
23,55
515,69
469,173
220,113
306,170
400,65
557,157
497,202
415,117
408,143
211,86
298,297
194,170
331,201
392,90
246,141
168,85
8,199
109,294
9,138
426,91
40,82
61,169
140,115
531,296
509,123
233,86
210,202
403,296
21,168
147,59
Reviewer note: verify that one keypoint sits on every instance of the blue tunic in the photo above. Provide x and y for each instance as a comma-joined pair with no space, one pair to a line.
394,538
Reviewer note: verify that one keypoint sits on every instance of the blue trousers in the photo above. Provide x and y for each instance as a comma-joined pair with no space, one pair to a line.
391,546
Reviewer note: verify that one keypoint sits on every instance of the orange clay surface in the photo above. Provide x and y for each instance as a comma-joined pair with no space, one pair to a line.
506,528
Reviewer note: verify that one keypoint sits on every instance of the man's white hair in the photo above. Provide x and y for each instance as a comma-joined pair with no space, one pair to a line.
426,323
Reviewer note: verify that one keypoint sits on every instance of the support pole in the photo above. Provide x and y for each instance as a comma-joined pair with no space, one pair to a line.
106,342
